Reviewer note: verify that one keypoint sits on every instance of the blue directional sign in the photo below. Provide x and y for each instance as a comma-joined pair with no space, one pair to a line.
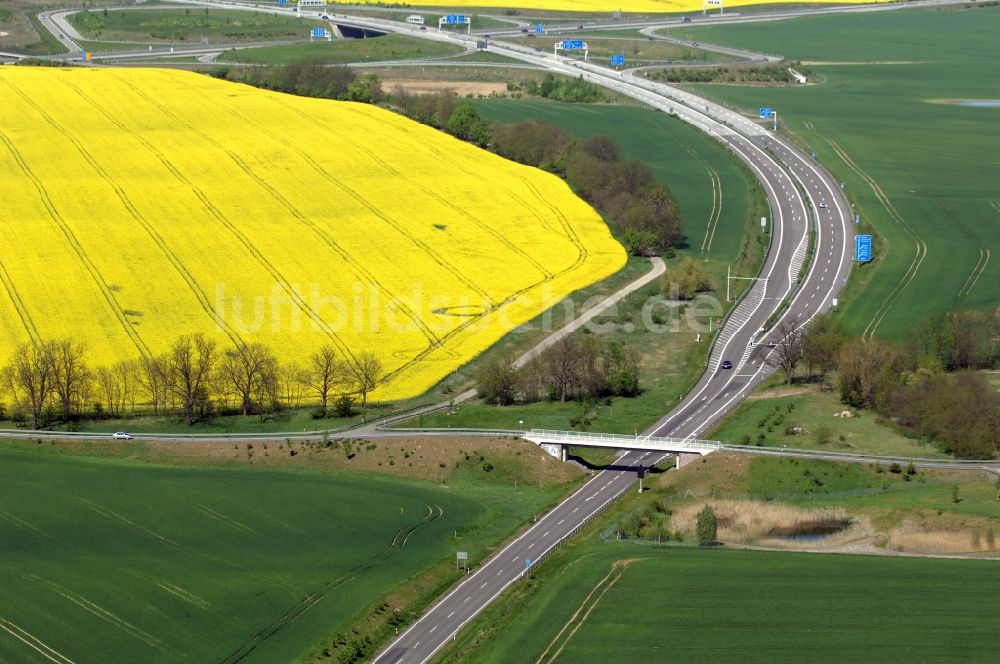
572,43
454,18
539,29
318,33
766,113
282,3
527,563
862,248
618,60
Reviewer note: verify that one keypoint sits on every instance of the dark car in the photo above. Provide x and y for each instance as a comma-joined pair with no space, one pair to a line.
772,344
726,364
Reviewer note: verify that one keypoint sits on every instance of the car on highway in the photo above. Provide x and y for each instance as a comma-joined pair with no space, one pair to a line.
772,343
325,17
726,364
121,435
822,204
60,36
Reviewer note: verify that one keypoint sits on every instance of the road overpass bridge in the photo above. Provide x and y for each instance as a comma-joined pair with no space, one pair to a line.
556,443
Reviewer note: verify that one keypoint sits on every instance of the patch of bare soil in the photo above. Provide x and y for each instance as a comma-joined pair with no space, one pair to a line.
431,459
461,88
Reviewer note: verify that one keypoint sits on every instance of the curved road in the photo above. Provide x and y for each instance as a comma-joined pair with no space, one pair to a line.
801,196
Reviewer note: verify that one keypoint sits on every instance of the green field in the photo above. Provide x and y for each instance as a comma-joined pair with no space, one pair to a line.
107,559
343,51
645,604
189,25
920,169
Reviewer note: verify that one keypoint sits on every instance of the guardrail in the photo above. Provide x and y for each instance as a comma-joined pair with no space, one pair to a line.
860,458
585,438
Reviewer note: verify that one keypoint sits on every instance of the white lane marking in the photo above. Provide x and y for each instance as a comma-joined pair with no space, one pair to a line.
451,614
482,586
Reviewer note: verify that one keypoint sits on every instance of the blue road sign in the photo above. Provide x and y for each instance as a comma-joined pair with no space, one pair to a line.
282,3
527,563
539,29
766,113
455,18
572,43
318,32
862,248
618,60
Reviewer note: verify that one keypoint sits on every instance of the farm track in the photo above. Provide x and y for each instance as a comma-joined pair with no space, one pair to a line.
921,247
472,320
8,283
296,297
485,226
716,212
318,596
374,210
71,238
586,607
977,271
160,242
34,642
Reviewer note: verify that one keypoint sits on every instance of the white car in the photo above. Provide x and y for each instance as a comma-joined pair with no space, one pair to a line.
823,204
121,435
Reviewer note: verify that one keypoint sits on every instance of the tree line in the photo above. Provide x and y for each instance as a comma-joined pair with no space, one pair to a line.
308,78
52,381
576,367
927,384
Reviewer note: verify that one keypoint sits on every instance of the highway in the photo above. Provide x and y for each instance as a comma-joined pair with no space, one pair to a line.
803,199
795,187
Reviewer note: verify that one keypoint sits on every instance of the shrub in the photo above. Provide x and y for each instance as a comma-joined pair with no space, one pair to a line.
707,526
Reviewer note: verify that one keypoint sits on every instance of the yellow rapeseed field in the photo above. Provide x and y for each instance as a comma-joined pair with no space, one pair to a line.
139,205
605,6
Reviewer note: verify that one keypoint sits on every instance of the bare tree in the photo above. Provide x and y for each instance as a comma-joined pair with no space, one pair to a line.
151,376
107,384
190,367
788,352
326,372
366,372
245,369
70,373
292,383
126,374
31,377
564,362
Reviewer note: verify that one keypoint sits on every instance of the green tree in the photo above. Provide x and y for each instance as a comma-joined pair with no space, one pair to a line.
467,124
497,381
684,280
640,243
367,89
707,526
821,343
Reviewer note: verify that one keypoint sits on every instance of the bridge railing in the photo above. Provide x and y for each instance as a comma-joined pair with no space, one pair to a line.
624,439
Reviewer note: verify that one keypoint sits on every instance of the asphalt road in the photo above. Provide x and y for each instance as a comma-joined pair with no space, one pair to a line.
795,187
